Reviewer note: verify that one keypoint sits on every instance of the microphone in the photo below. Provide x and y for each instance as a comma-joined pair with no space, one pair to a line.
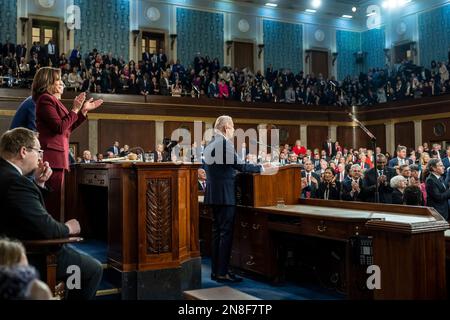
253,141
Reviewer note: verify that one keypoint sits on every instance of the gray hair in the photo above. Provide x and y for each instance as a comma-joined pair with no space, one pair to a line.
221,122
355,166
395,181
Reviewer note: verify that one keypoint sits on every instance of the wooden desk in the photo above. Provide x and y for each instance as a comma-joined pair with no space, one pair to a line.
147,214
408,243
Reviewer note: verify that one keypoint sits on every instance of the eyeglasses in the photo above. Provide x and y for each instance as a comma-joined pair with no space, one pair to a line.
39,151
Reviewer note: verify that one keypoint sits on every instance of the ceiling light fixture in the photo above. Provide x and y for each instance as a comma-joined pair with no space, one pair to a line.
270,4
347,16
353,9
310,10
316,3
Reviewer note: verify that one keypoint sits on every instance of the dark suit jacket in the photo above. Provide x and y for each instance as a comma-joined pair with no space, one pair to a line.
312,189
163,87
21,52
437,195
111,149
221,161
165,156
385,191
200,187
25,116
334,191
347,189
394,162
397,197
446,162
23,215
333,149
55,124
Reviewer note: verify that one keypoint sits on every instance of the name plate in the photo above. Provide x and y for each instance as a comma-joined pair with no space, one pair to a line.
95,178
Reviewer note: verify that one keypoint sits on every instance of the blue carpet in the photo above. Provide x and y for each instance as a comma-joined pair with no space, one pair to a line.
265,291
259,289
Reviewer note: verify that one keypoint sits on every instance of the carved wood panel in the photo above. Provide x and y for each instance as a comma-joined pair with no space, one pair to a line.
159,216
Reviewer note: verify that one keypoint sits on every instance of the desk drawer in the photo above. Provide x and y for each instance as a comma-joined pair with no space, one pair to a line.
327,229
255,262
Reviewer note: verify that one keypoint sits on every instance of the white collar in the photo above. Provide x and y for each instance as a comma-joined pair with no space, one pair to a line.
17,168
437,176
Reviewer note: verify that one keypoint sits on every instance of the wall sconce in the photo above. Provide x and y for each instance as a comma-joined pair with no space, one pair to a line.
136,35
173,37
24,21
307,56
260,50
335,55
229,44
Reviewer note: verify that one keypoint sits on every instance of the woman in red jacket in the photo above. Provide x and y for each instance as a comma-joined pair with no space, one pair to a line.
55,123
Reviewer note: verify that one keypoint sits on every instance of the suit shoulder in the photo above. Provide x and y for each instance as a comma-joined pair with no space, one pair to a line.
44,98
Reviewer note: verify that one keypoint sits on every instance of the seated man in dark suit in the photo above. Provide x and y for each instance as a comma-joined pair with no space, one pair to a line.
24,215
438,192
380,176
221,161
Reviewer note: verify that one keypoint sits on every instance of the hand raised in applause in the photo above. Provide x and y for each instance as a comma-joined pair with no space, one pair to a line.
355,186
314,180
91,105
78,102
74,227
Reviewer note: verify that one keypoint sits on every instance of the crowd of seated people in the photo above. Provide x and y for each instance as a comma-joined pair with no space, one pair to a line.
334,172
154,74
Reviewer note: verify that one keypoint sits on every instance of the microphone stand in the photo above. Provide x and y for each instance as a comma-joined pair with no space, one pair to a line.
373,139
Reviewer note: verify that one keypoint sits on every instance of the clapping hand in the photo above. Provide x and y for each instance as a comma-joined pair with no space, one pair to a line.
78,102
42,173
91,105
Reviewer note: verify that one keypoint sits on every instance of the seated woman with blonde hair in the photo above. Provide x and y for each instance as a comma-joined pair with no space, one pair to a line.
18,280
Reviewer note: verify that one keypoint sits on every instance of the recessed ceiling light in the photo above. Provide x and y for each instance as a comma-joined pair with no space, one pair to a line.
354,9
316,3
310,10
347,16
270,4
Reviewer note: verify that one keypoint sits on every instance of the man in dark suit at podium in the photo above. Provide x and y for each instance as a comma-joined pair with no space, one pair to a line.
221,161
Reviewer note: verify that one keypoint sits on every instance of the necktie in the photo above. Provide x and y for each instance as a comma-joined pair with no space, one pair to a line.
441,180
204,185
308,178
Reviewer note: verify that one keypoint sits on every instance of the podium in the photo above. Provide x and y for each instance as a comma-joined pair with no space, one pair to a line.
147,213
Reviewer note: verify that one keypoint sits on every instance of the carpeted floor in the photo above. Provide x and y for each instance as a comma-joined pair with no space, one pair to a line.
252,286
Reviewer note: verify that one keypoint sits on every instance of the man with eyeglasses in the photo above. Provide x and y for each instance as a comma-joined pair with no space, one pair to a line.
24,215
